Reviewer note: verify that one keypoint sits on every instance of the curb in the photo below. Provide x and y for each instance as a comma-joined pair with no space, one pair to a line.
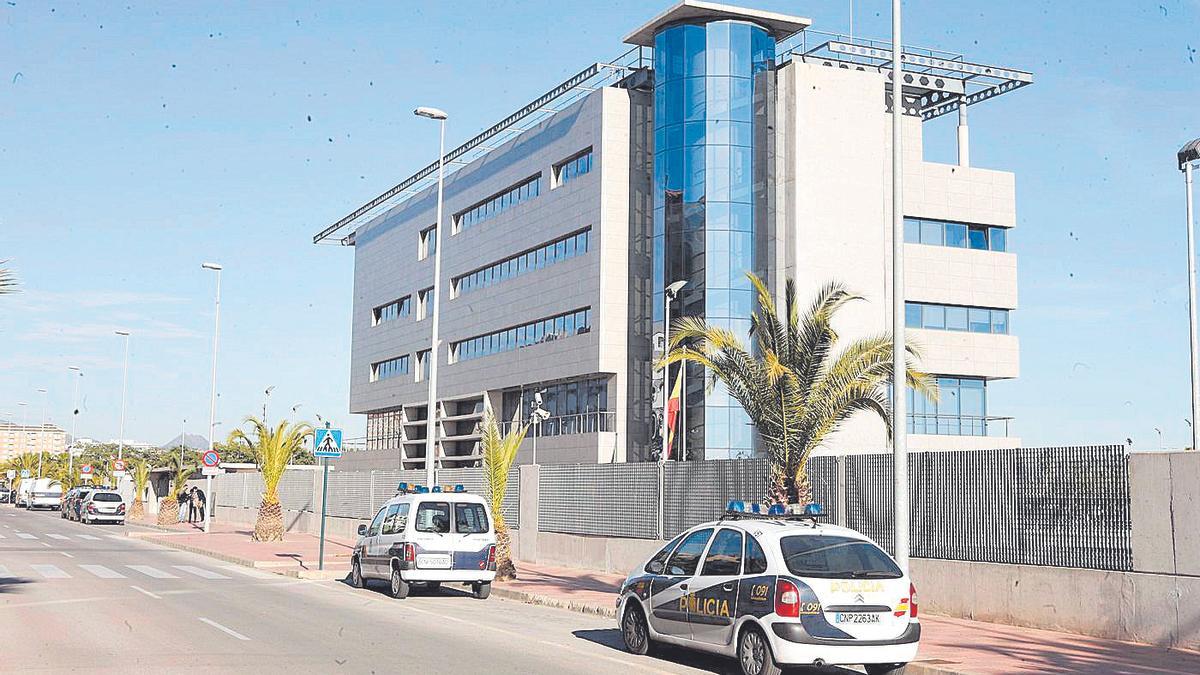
547,601
266,566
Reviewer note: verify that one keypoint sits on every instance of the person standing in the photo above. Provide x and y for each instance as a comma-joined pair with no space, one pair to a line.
185,504
201,502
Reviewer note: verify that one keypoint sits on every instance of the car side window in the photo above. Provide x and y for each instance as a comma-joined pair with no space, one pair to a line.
397,522
756,557
725,555
658,563
389,521
375,524
686,558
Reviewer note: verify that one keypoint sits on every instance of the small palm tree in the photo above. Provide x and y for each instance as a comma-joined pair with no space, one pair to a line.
796,387
499,452
141,478
181,470
273,451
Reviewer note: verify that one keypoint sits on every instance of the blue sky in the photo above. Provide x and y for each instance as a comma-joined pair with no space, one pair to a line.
139,139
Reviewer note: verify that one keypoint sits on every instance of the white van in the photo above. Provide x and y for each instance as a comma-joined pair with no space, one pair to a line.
43,493
428,538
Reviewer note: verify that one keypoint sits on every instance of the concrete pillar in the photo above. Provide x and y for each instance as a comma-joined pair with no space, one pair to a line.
964,137
527,535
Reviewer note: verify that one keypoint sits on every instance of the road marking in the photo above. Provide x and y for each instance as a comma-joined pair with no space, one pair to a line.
89,537
143,591
45,544
65,554
200,572
219,627
57,536
4,573
250,572
25,535
103,572
152,571
2,537
50,572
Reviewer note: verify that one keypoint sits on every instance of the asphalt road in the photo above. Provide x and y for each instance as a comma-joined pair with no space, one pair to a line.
77,597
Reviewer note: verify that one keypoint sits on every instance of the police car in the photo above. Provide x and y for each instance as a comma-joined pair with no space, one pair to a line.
774,588
428,537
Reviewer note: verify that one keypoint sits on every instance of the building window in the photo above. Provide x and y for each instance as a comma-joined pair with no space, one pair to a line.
573,168
423,365
427,244
576,406
393,310
385,430
956,235
498,203
383,370
424,296
961,409
510,268
543,330
957,318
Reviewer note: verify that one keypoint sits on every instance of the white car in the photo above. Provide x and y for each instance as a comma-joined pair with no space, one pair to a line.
102,506
428,538
44,493
774,591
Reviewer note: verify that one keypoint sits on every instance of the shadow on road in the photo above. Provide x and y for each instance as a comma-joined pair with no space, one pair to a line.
13,584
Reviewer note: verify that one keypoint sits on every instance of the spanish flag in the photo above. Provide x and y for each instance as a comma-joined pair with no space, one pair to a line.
673,410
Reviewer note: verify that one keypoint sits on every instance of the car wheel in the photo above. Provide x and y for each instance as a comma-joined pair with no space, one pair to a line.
635,632
399,587
356,577
885,668
481,591
754,654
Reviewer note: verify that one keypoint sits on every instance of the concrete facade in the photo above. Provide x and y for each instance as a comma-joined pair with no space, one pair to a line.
16,439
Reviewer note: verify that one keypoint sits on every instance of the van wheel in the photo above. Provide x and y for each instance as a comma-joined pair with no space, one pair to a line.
399,587
754,654
356,577
482,590
635,632
885,668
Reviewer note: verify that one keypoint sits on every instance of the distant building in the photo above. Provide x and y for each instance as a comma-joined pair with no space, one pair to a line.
16,439
727,140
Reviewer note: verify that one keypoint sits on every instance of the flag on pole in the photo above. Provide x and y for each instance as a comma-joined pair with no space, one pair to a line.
673,410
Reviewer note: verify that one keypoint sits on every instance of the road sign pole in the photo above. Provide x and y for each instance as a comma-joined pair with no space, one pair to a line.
208,502
324,492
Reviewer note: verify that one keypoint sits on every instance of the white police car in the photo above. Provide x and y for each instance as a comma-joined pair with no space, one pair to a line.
773,588
428,537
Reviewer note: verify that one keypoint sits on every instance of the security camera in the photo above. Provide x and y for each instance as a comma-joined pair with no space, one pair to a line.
541,415
537,399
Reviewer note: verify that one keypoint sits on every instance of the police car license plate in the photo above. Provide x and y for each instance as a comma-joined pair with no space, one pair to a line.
847,617
434,561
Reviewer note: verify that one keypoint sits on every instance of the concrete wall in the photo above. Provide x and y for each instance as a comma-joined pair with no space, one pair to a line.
1164,509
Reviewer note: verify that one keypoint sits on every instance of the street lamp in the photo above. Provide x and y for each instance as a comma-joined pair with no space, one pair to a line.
1188,156
431,423
74,419
212,400
124,384
294,409
266,400
899,361
41,437
537,415
672,291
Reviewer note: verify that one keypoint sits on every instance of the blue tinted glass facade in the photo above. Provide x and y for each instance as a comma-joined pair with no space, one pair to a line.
713,86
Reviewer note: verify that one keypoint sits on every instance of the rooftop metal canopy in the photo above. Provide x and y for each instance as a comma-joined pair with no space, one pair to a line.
692,11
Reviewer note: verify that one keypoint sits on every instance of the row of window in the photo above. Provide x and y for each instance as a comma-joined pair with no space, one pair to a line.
544,330
393,310
469,518
952,317
573,168
575,406
956,235
390,368
535,259
961,408
499,203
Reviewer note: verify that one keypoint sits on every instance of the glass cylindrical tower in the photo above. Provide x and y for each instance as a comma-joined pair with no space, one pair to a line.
713,91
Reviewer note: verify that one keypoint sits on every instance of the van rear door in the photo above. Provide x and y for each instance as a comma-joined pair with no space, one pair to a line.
432,537
473,535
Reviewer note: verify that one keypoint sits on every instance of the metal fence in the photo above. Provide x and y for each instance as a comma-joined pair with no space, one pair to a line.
613,500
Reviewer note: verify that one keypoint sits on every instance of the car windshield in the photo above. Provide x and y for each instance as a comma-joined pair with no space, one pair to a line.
836,557
106,497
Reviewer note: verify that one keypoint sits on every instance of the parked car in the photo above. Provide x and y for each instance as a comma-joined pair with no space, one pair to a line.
5,494
102,506
774,591
449,538
44,493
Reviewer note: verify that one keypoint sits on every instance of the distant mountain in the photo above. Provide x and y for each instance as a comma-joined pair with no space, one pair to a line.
192,441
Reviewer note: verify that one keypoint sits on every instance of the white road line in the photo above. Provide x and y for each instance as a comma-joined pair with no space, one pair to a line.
50,572
25,535
103,572
200,572
3,537
65,554
221,628
57,536
47,545
143,591
250,572
152,572
89,537
4,573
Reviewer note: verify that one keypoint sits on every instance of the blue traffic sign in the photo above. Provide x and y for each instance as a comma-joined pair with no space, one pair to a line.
327,443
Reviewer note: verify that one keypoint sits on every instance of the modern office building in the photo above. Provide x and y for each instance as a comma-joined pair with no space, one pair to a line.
725,141
16,439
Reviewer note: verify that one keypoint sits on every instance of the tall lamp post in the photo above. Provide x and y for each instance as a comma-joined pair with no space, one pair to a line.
1189,156
672,292
212,399
899,362
431,421
124,385
41,436
74,419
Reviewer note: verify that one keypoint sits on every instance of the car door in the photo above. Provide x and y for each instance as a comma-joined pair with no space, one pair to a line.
368,559
431,535
670,594
715,589
472,535
381,546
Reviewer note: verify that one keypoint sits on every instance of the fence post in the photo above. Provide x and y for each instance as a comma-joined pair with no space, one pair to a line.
662,532
371,494
245,479
840,497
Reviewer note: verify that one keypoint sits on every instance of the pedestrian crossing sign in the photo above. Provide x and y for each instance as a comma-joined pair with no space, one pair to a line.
327,443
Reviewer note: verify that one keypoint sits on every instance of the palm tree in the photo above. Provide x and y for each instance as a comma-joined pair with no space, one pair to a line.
168,509
499,451
141,477
8,280
273,451
796,387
